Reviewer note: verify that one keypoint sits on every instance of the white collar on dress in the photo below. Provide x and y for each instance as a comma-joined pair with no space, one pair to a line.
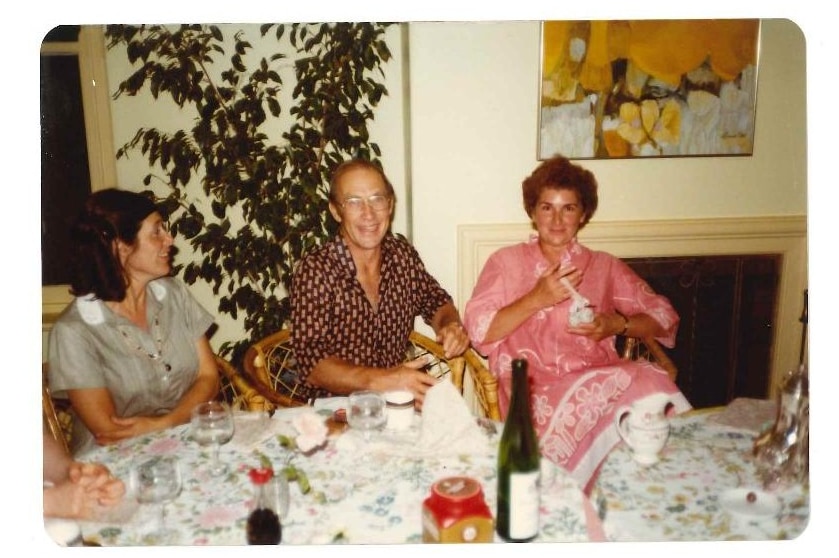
91,309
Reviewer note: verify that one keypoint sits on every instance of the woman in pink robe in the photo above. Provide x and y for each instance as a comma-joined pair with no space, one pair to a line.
521,305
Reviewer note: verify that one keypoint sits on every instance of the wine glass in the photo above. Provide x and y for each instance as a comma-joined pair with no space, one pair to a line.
212,425
157,481
366,412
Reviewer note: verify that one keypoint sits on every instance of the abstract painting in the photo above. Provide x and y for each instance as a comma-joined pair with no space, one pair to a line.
648,88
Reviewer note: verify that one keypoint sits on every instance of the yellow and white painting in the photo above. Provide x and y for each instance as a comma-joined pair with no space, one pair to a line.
648,88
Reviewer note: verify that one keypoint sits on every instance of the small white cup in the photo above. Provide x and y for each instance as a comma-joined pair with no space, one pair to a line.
646,442
65,532
400,409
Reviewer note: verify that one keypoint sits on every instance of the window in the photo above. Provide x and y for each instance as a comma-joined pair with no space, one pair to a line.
77,154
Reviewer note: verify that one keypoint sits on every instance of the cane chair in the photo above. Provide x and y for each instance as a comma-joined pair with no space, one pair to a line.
56,413
467,373
237,391
649,349
271,368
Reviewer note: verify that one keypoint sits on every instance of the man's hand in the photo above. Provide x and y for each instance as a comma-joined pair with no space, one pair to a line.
453,338
409,376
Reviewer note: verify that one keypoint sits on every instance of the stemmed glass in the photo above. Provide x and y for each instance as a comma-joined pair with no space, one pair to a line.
212,425
157,481
366,412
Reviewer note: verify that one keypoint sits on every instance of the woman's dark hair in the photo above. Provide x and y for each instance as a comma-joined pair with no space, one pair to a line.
561,174
108,215
353,164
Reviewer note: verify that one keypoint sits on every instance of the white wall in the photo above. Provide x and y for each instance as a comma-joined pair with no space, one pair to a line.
474,96
468,120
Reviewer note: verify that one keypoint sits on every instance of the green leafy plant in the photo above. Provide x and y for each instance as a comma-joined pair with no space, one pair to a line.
267,200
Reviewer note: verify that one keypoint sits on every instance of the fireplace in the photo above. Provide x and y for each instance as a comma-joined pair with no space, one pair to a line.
737,284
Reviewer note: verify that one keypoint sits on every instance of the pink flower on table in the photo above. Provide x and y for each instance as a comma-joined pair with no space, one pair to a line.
164,445
219,516
311,429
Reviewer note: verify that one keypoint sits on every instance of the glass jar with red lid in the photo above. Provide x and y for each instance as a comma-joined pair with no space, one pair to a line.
456,512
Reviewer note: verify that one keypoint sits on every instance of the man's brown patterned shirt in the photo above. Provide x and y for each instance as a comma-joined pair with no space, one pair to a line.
331,316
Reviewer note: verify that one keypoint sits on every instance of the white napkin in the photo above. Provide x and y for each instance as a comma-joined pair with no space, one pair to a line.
251,429
448,426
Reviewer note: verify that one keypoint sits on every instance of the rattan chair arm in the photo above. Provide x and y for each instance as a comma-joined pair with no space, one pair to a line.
653,348
661,357
483,381
51,419
243,390
275,398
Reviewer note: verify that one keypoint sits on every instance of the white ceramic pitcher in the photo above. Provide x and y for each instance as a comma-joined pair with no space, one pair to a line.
644,427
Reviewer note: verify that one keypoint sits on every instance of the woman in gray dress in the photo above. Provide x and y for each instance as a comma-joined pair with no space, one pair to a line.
130,352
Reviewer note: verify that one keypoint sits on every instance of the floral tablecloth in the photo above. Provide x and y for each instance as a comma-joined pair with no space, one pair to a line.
359,493
680,497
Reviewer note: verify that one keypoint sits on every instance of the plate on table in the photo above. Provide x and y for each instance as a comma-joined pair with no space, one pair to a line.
750,503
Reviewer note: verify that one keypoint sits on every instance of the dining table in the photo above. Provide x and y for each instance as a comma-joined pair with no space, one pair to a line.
350,490
705,485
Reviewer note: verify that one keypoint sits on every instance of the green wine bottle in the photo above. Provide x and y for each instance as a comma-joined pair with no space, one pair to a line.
517,514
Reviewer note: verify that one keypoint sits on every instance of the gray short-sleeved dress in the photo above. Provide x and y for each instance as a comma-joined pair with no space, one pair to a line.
146,372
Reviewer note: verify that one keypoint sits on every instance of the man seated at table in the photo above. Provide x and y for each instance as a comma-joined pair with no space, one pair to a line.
354,300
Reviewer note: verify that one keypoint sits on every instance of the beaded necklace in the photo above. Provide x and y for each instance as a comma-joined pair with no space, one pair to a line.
158,342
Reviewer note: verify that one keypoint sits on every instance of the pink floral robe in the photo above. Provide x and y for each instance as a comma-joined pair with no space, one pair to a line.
577,385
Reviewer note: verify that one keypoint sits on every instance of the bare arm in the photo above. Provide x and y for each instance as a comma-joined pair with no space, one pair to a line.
204,388
449,329
339,376
73,489
56,460
548,291
605,325
95,407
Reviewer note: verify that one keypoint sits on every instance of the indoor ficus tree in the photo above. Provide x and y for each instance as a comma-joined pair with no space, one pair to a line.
274,190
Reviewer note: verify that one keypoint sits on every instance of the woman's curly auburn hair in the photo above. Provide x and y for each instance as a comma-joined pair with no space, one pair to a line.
561,174
108,215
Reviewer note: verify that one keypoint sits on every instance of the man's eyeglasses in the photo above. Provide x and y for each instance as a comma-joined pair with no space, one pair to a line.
376,202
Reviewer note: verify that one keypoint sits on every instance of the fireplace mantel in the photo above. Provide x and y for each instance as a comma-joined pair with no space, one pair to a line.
784,235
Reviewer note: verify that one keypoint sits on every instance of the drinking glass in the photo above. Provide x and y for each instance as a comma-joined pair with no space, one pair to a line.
157,480
366,412
212,425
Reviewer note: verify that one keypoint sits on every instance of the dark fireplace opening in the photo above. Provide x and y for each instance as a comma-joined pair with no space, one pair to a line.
728,306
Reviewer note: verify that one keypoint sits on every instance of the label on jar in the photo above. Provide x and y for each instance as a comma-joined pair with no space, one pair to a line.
430,531
524,505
